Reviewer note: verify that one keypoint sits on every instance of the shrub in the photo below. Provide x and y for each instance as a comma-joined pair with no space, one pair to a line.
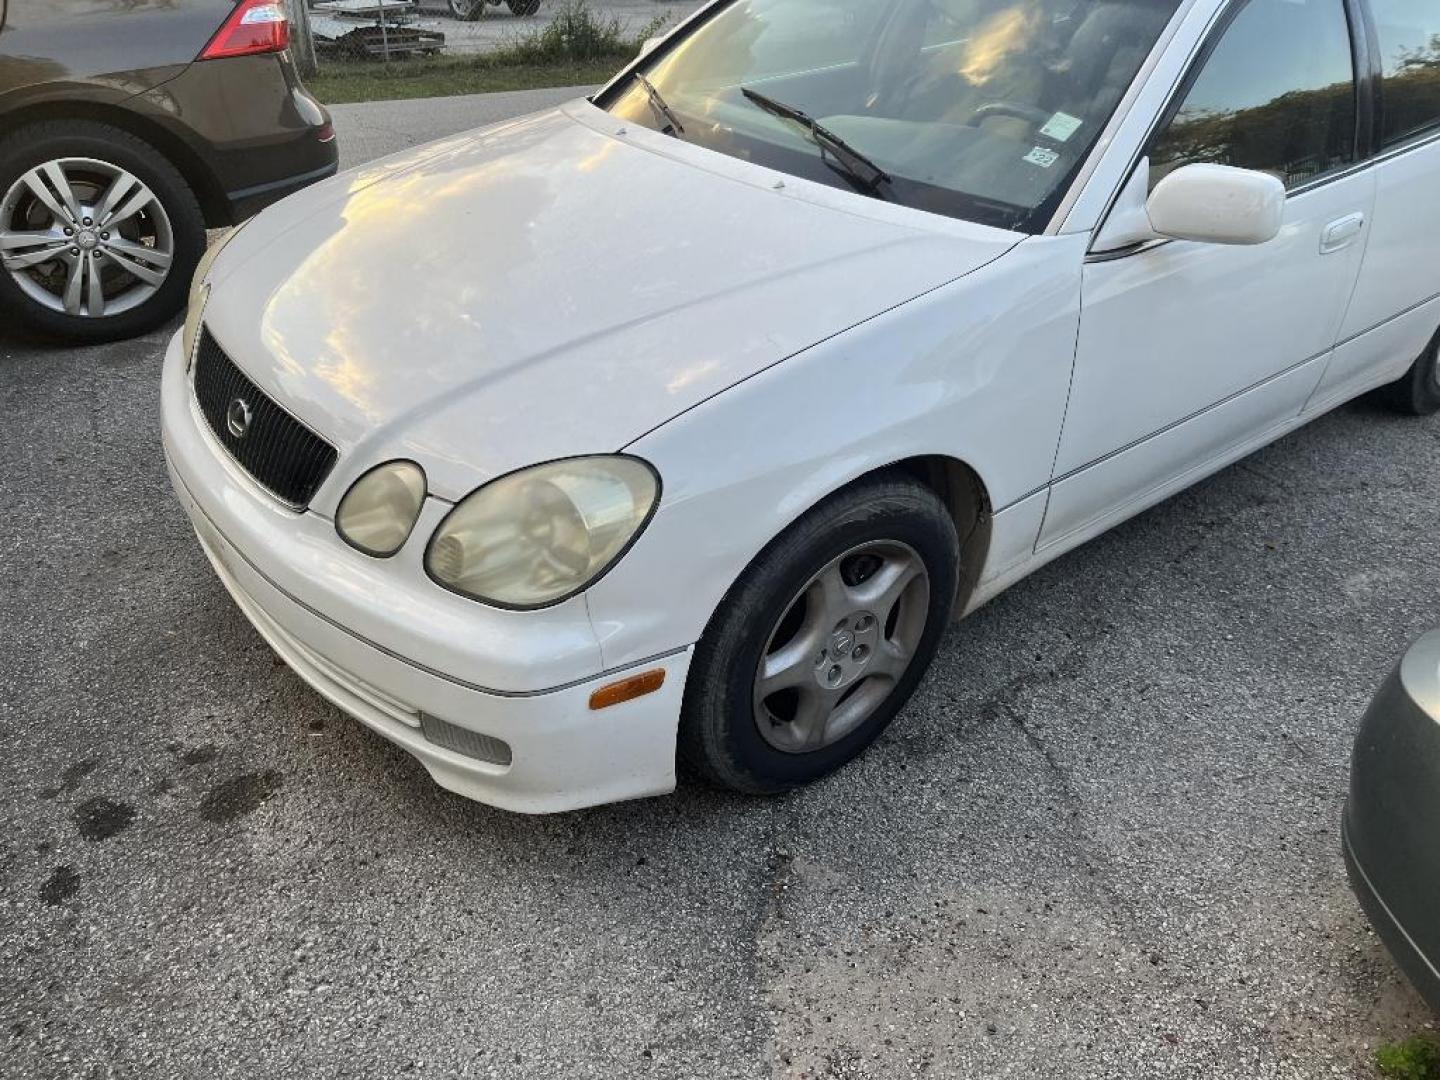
1417,1058
576,34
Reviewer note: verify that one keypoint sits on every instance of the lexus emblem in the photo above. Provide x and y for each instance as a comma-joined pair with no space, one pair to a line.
237,417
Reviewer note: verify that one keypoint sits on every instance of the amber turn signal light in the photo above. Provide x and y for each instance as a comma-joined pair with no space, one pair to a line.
628,689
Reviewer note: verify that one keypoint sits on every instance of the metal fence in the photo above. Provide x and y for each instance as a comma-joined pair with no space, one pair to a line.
382,29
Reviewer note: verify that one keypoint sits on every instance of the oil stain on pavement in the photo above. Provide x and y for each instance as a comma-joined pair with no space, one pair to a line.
240,795
101,818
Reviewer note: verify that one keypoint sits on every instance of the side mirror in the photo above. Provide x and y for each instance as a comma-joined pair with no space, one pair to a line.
649,44
1214,204
1217,204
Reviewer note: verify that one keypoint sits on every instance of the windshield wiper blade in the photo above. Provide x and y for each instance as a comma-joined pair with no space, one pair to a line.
855,165
662,110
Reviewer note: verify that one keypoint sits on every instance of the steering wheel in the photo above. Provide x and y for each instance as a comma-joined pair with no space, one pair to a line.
991,109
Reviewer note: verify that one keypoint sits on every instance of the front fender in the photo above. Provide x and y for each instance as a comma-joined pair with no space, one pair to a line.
977,370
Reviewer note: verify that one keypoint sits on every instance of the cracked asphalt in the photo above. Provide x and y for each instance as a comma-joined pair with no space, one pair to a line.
1101,843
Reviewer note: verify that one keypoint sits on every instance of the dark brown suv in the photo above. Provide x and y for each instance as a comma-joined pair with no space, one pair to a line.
127,127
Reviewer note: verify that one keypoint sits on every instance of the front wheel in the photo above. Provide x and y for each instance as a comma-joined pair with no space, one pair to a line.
823,639
99,234
1418,393
524,7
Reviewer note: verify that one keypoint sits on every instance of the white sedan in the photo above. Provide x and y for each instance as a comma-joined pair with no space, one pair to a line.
676,423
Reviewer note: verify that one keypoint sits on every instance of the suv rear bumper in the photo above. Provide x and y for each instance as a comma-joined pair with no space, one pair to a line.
248,202
248,126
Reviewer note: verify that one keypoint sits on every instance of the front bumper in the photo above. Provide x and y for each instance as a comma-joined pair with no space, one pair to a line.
1391,827
558,753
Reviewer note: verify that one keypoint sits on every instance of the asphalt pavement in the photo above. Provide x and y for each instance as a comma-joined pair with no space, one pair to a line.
1102,842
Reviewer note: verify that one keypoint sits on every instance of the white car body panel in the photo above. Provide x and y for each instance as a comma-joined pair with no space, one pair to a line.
626,752
439,350
1202,354
389,603
990,392
567,284
1392,313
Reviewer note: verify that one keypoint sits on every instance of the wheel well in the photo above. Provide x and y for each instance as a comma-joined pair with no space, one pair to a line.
213,203
963,493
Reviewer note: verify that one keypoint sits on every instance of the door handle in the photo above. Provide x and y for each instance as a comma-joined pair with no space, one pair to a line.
1339,233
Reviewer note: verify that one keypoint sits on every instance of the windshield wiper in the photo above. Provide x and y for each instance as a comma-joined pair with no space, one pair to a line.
851,162
662,110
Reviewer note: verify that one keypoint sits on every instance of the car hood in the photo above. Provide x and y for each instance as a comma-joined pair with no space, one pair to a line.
552,286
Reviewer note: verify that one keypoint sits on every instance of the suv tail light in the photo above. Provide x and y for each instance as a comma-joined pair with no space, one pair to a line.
255,26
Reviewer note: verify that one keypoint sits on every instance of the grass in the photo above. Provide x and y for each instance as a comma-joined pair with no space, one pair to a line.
575,48
1417,1058
443,76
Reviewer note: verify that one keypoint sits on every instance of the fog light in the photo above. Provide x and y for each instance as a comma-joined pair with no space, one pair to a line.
464,741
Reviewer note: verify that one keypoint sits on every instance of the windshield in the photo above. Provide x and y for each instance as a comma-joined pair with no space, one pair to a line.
978,109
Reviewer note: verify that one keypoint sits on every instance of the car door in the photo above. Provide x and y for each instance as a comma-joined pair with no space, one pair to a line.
1189,353
1396,308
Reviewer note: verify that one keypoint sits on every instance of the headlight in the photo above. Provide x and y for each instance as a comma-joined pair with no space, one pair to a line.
378,512
540,535
200,291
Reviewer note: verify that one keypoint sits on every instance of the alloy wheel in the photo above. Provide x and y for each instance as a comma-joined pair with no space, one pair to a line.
85,237
840,647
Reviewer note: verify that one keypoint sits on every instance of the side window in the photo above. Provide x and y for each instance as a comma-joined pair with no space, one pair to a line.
1277,94
1410,51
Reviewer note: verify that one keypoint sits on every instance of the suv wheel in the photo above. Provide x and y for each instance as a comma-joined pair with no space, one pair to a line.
99,235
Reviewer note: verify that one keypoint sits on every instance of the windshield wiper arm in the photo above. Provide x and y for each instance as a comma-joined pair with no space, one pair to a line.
662,110
851,162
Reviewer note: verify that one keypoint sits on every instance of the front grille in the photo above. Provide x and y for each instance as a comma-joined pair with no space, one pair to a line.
282,454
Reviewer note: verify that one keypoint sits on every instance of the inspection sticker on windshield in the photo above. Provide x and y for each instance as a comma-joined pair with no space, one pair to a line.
1061,126
1038,155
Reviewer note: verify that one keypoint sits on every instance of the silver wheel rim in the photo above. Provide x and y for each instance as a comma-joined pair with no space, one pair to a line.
842,644
84,237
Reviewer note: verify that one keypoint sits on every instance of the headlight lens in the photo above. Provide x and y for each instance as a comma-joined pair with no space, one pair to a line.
200,291
537,536
378,512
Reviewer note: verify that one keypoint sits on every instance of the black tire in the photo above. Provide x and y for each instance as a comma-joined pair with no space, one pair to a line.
35,144
719,736
523,8
1418,393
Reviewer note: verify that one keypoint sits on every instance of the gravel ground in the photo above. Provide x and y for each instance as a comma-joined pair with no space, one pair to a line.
1101,843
